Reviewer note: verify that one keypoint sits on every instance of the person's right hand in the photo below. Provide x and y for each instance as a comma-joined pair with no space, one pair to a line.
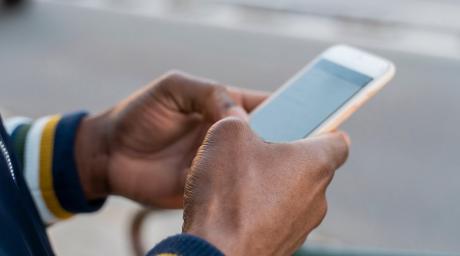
249,197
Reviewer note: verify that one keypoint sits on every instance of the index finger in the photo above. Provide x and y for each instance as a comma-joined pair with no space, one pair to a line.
330,149
248,99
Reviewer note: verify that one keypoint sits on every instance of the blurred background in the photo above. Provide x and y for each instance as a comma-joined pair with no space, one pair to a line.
400,189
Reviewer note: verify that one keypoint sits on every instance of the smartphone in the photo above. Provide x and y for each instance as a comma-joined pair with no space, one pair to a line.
322,95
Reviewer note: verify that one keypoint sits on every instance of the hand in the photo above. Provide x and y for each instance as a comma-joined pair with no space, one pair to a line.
143,147
249,197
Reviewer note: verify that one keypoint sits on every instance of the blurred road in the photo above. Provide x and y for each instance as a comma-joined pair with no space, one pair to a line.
399,189
429,14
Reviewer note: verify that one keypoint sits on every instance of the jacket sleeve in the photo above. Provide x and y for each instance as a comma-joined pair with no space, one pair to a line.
184,245
45,152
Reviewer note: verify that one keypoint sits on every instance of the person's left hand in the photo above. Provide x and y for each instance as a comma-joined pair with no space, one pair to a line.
143,147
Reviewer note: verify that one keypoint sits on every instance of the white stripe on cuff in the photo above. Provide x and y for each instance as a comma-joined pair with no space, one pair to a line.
32,167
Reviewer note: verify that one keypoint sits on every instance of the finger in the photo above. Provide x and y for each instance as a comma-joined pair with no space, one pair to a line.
196,95
330,149
248,99
229,108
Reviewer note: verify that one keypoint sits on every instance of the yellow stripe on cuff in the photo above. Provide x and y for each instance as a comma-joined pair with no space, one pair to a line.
46,170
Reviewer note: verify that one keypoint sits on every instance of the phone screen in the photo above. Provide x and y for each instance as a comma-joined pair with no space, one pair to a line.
307,102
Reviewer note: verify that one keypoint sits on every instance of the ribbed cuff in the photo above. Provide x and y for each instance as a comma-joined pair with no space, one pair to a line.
66,180
185,245
45,149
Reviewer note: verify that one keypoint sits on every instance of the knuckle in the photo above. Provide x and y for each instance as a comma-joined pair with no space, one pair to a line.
217,91
170,81
174,75
323,208
331,155
171,78
325,163
233,128
339,150
320,213
217,88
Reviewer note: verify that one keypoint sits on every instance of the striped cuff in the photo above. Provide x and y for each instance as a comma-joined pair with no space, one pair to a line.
184,245
45,149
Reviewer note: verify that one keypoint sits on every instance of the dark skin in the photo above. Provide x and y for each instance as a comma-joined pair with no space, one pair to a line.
244,195
143,147
249,197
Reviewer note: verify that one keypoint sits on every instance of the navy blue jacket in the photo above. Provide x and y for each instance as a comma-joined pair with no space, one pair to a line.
22,228
22,231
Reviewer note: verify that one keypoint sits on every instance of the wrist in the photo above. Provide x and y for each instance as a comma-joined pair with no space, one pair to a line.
228,241
91,155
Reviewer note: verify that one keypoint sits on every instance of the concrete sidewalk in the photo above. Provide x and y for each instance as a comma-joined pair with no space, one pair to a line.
106,233
399,188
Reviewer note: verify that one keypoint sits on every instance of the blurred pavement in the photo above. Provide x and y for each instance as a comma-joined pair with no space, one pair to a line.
399,189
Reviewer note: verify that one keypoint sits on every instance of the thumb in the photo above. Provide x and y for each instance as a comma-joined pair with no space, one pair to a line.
196,95
227,107
331,149
219,104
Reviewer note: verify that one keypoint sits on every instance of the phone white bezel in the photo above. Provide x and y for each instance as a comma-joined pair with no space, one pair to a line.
380,69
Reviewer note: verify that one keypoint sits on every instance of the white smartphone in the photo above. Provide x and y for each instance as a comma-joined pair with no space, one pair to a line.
322,95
